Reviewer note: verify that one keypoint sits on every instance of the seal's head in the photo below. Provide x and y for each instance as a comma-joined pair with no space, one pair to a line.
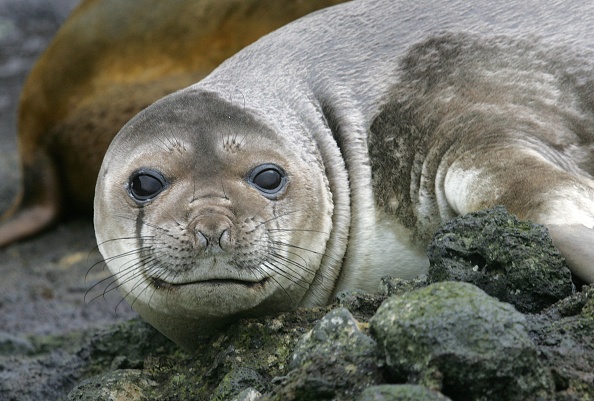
204,212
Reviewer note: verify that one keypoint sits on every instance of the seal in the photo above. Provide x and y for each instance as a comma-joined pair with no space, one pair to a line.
323,156
107,62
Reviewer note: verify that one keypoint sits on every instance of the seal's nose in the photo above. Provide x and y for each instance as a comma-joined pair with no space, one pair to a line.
213,232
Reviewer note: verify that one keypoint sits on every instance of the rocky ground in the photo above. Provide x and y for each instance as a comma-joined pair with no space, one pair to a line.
44,282
429,339
448,336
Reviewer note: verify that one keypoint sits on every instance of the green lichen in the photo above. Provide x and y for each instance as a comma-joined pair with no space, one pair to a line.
335,360
491,339
512,260
588,309
454,338
236,381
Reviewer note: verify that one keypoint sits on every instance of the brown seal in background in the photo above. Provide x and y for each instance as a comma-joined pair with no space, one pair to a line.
107,62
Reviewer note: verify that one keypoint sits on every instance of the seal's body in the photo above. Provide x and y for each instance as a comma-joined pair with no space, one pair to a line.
108,61
323,156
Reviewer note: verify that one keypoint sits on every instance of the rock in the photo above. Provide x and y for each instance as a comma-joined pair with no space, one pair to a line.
48,366
395,286
400,392
236,381
564,336
249,394
126,345
452,340
241,358
455,338
512,260
14,345
321,354
334,361
127,385
359,303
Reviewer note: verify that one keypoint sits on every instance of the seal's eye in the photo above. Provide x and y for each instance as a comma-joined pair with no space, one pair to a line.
268,179
144,185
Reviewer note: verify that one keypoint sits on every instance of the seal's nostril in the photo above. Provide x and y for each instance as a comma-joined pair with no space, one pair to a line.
212,232
201,239
225,239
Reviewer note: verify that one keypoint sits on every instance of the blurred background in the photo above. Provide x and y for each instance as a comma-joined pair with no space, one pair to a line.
43,281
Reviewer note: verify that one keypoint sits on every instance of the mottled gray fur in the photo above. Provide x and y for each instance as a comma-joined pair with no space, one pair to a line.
388,118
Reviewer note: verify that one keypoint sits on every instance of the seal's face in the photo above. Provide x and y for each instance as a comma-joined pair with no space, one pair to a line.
202,214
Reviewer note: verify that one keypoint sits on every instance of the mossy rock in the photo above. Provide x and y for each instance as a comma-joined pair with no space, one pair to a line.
512,260
455,338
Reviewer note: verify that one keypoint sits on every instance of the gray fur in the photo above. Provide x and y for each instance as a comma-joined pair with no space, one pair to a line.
461,105
340,66
467,93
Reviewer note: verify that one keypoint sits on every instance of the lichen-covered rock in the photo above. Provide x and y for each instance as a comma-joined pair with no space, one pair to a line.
361,304
395,286
246,355
455,338
334,361
236,381
512,260
125,345
249,394
564,336
129,385
400,392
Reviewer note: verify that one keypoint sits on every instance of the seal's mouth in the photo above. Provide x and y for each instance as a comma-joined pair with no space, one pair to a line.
163,285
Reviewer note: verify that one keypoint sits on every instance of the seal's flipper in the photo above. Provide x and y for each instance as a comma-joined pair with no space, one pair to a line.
576,243
37,206
533,188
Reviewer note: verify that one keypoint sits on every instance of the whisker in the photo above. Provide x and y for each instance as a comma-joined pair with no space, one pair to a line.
114,257
165,145
102,281
117,280
130,273
287,273
144,281
289,261
124,271
124,299
293,262
307,250
298,230
275,218
280,266
276,281
134,238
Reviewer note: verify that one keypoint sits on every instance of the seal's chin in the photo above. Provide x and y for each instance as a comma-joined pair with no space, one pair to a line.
207,298
190,310
159,284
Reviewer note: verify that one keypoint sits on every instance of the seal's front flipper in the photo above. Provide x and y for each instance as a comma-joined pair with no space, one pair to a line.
37,207
533,188
576,243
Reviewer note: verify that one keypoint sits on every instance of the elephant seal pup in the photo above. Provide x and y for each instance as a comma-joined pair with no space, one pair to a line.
108,61
254,191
